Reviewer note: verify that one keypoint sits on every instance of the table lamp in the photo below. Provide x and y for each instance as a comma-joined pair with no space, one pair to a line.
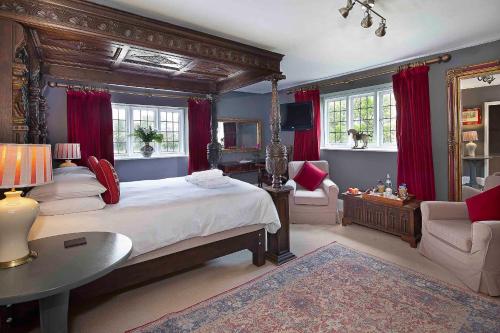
470,147
21,165
67,152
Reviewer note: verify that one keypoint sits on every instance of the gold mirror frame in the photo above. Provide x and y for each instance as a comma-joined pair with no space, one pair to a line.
259,135
453,77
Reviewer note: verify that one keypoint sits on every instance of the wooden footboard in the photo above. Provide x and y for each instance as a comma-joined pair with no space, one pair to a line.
154,269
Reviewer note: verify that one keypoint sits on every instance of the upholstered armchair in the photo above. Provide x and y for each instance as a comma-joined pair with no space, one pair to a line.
489,183
470,250
312,207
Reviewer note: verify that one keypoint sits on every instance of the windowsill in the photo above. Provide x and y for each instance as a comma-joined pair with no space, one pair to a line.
376,149
128,158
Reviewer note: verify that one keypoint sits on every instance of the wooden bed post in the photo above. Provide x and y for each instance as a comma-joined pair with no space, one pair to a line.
214,148
276,156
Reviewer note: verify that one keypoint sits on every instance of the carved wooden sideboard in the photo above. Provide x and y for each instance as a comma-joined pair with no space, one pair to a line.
404,221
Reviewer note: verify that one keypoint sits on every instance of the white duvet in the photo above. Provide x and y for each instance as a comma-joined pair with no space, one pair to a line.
157,213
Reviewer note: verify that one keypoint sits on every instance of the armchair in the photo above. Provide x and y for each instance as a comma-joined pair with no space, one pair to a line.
489,183
312,207
470,250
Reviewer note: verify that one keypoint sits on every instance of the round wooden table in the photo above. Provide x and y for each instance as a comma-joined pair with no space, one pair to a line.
57,269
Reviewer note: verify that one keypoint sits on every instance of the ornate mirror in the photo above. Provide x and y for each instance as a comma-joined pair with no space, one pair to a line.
240,135
473,127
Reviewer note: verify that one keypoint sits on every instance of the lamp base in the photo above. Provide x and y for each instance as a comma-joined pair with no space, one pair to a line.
18,262
67,163
470,147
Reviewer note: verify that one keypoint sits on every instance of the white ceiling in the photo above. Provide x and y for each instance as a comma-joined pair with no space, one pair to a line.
318,43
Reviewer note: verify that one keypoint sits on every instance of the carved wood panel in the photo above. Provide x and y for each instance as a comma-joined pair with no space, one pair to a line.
80,34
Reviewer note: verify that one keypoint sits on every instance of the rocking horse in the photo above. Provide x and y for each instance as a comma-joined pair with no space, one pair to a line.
359,136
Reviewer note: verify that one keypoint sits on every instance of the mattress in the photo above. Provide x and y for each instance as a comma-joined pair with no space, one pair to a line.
158,213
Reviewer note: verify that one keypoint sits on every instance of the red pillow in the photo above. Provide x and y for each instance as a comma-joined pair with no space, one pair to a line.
106,175
92,163
310,176
485,206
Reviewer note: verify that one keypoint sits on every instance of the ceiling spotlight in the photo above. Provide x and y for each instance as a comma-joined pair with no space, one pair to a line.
369,3
367,20
381,30
344,11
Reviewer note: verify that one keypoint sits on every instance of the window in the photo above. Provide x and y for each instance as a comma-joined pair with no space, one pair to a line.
168,121
371,111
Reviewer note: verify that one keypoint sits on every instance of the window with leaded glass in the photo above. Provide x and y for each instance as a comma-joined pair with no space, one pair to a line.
369,110
388,117
120,130
168,121
170,128
337,120
363,115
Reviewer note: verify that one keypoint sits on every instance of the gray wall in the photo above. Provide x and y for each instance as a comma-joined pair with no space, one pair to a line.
364,168
232,105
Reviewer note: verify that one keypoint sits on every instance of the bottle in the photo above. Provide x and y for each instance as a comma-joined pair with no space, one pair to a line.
388,182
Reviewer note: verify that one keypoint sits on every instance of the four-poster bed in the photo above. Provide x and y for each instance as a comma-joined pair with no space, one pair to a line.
79,42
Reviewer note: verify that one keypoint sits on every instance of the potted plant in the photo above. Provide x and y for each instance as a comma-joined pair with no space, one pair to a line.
147,135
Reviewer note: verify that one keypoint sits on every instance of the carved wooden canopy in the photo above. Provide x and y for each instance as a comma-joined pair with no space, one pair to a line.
82,41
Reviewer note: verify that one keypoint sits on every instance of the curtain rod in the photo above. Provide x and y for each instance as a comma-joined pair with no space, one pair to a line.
437,60
53,84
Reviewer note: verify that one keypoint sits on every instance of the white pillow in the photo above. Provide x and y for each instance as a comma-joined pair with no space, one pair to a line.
67,186
70,206
73,170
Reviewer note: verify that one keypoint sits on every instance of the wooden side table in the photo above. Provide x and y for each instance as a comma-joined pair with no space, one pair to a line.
50,277
278,244
404,221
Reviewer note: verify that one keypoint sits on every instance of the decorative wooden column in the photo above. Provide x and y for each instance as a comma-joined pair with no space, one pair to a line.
278,244
276,156
214,148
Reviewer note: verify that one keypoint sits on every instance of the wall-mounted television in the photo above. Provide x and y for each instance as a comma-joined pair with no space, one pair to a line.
296,116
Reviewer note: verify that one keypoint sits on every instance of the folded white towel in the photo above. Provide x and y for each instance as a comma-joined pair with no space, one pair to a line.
216,182
208,174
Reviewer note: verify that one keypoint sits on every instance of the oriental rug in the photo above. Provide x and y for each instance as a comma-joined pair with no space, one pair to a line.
337,289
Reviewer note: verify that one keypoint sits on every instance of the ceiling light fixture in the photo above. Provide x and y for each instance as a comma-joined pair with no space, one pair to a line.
367,20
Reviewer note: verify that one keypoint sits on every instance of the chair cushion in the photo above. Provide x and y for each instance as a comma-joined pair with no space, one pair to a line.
485,206
107,176
457,233
310,176
317,197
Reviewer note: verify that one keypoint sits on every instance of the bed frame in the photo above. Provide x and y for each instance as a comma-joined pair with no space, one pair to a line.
78,41
157,268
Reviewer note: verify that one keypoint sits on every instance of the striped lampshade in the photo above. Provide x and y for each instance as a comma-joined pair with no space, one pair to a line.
67,151
25,165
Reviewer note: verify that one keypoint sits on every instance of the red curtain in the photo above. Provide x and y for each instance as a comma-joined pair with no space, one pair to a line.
413,131
306,143
199,134
90,123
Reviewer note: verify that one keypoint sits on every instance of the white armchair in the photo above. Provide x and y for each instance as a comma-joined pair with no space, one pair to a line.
470,250
489,183
312,207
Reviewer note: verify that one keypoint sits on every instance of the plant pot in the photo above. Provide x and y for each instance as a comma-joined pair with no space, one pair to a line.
147,150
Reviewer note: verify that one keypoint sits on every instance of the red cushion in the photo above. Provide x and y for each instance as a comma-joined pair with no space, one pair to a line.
106,175
310,176
485,206
92,163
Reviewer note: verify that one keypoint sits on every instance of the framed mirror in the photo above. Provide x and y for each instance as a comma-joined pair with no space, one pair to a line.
473,127
239,135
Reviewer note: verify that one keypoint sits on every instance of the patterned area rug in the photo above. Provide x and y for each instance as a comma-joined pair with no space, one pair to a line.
337,289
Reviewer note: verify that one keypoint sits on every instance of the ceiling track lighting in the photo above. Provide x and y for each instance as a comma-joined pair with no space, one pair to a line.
368,19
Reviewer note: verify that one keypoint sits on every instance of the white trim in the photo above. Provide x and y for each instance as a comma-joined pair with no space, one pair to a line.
348,95
129,108
486,120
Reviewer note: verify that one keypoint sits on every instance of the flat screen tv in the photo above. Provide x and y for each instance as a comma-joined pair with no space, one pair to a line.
296,116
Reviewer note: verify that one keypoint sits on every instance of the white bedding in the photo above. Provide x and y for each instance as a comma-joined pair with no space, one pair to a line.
157,213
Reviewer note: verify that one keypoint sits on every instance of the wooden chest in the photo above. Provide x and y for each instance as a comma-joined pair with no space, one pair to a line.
404,221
